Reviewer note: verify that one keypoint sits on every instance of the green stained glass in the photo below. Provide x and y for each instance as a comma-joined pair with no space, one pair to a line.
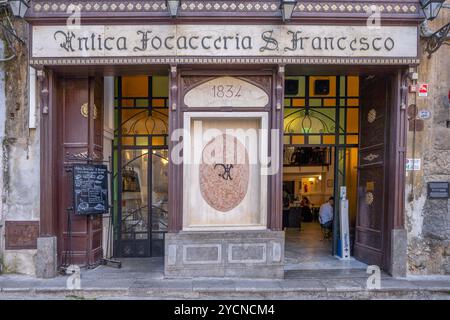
287,102
160,86
301,86
341,120
314,139
315,102
342,86
141,141
141,102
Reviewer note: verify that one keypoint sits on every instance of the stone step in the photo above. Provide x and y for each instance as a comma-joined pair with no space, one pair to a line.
228,294
328,274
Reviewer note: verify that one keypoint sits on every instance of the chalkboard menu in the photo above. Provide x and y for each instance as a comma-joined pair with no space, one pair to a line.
90,187
438,190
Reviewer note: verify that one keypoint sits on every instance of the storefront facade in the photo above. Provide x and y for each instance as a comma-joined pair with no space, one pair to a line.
224,64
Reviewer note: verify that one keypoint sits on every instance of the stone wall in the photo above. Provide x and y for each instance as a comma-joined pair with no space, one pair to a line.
2,136
428,220
20,154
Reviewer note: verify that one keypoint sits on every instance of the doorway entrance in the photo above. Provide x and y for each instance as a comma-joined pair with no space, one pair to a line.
140,165
320,155
337,132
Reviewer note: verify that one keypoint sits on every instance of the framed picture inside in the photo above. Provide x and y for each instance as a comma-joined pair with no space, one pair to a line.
330,183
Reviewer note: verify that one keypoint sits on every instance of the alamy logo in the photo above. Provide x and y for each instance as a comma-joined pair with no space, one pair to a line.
73,282
74,20
374,280
374,19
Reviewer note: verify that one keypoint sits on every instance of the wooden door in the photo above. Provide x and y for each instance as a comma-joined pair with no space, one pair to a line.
371,217
80,132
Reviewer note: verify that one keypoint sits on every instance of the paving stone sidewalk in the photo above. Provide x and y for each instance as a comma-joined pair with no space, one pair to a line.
144,280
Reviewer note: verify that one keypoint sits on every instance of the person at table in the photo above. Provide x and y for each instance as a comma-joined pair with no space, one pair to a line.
326,215
305,202
287,199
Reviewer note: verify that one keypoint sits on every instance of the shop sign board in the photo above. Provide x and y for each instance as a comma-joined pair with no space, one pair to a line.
53,41
90,187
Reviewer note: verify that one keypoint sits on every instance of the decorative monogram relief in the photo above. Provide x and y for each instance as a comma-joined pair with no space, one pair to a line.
82,156
191,81
224,184
369,198
85,110
226,174
372,115
371,157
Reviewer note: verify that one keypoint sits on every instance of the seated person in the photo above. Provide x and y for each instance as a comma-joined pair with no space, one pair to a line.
326,214
305,202
306,209
286,200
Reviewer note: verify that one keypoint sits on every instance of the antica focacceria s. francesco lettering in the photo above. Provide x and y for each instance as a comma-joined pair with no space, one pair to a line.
266,42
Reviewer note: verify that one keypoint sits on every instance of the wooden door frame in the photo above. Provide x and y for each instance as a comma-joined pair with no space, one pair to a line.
49,139
49,164
51,159
394,168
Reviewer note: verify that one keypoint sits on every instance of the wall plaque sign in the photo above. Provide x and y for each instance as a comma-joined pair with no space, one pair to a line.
226,92
90,187
21,235
224,40
424,114
438,190
413,164
224,183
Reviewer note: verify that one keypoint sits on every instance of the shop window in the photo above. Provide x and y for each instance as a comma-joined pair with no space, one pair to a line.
140,165
316,84
328,110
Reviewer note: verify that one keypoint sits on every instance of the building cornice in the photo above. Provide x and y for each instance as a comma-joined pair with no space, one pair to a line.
40,10
222,60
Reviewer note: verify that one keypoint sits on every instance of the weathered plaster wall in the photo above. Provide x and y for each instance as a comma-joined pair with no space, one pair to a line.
20,155
428,220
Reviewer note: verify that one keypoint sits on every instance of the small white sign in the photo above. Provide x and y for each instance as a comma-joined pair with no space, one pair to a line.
424,114
412,164
423,90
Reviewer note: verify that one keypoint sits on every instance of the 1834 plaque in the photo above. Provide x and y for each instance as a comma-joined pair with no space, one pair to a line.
90,187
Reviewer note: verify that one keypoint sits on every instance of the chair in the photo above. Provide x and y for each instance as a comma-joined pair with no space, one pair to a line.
285,218
295,217
306,214
327,229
